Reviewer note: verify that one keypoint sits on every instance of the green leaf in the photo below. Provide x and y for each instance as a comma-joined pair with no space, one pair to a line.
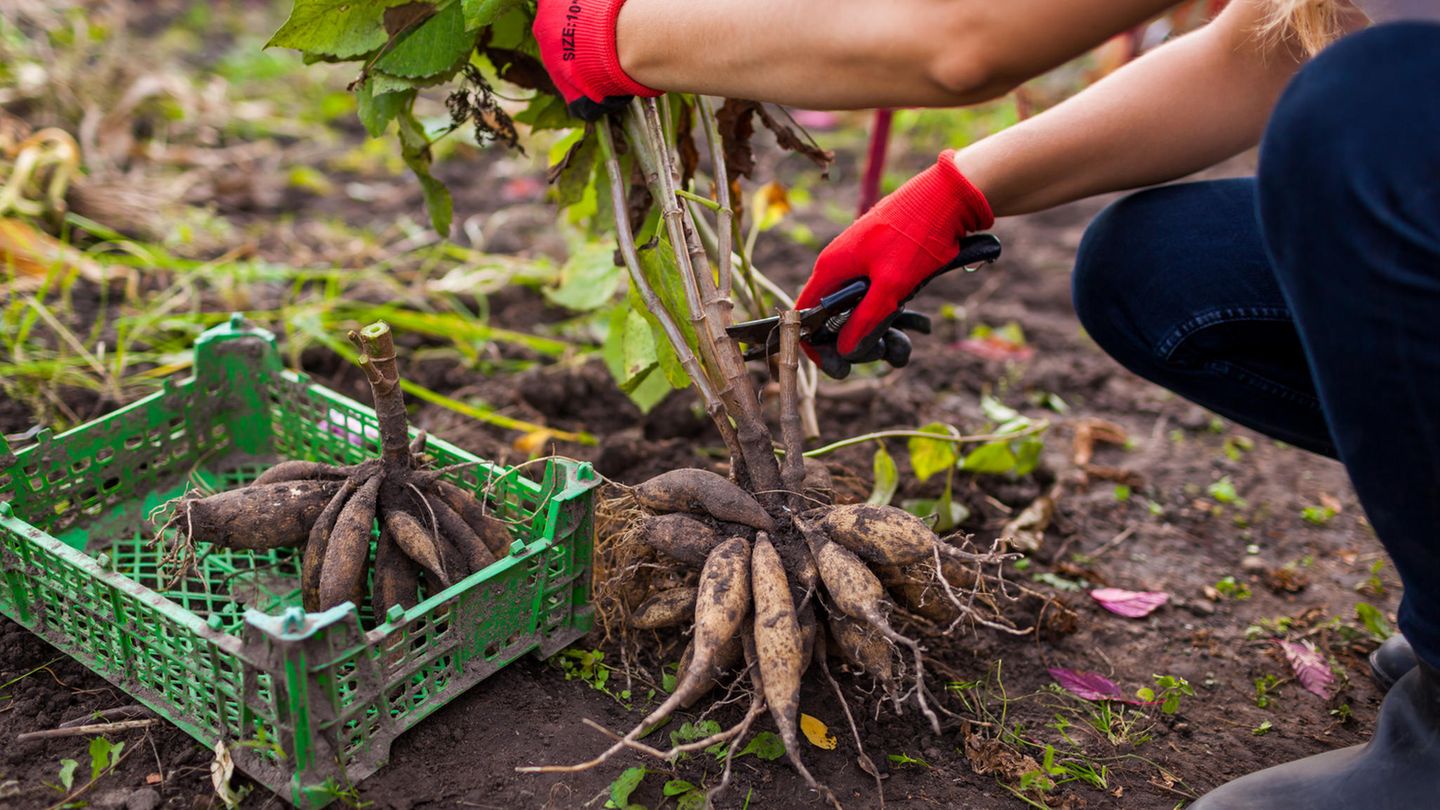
385,83
1027,454
546,112
639,352
887,478
573,165
930,508
415,151
377,111
930,456
624,785
694,800
436,46
766,745
103,755
1373,620
994,458
67,773
588,279
437,202
340,28
997,411
677,786
483,12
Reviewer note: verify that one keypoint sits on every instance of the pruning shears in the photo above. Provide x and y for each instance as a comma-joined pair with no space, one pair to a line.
820,325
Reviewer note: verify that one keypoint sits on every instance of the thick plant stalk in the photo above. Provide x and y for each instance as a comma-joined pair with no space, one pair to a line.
377,358
713,404
711,314
792,436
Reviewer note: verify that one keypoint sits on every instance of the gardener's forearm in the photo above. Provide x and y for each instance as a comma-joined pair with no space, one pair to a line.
833,54
1179,109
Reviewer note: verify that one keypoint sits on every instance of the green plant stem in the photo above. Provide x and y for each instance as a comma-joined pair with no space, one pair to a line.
1038,427
696,198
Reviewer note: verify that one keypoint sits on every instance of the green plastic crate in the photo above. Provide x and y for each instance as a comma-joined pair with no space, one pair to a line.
306,703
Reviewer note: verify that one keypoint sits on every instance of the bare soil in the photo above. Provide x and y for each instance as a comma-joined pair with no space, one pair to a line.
465,755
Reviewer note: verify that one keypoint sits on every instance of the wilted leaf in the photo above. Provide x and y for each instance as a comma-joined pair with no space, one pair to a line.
222,770
533,443
887,478
1089,685
1309,666
1006,343
931,456
1026,531
34,254
771,204
399,19
817,732
1131,604
1089,432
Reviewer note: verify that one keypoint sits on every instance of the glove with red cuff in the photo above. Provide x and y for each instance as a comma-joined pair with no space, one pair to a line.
577,45
898,245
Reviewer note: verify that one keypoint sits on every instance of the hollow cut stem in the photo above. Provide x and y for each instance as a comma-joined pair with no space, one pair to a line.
377,359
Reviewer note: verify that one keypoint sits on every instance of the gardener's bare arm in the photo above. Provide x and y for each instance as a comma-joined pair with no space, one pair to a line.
1183,107
833,54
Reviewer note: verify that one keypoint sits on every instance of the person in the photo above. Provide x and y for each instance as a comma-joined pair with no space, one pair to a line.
1301,302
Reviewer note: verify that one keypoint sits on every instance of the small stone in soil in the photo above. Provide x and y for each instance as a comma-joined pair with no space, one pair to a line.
1252,564
146,799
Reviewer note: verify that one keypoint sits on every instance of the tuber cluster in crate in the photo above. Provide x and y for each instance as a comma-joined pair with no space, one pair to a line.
431,531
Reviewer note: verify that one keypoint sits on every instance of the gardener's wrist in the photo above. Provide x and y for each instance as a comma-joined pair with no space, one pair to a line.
640,41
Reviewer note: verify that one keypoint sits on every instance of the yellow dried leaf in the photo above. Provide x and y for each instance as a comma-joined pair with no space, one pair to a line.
533,443
817,732
772,204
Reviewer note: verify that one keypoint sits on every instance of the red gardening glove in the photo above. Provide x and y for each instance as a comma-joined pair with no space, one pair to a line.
577,45
898,245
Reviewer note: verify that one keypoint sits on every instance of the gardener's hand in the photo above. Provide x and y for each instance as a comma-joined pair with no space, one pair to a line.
577,45
898,245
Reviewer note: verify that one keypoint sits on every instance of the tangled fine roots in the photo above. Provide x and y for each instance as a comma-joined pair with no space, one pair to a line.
770,594
432,533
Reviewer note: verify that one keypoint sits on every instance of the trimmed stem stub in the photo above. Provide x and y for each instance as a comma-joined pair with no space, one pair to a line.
377,359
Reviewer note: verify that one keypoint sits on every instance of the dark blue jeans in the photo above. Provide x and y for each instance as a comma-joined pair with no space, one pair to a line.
1305,302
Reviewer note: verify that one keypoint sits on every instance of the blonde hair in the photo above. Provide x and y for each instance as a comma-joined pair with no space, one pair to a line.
1313,23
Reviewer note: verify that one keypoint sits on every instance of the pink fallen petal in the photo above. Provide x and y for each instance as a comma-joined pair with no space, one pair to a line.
1089,685
1131,604
1310,667
815,119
